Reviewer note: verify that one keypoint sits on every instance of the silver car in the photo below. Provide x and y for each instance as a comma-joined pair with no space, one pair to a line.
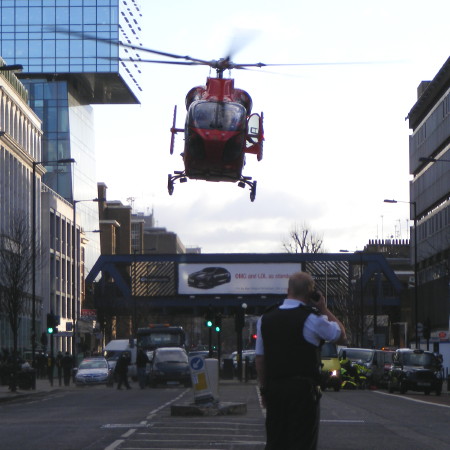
94,371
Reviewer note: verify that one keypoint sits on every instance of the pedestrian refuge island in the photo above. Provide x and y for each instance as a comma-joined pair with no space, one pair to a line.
205,386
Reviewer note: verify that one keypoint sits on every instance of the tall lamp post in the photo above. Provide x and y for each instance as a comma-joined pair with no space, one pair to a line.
75,274
33,254
416,292
240,323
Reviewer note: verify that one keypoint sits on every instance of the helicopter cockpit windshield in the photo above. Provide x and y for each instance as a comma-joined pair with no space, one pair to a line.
223,116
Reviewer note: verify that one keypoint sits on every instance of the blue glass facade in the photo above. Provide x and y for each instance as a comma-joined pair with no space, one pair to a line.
70,64
28,34
73,37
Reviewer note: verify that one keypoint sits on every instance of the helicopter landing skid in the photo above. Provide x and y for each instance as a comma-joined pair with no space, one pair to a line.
252,184
181,175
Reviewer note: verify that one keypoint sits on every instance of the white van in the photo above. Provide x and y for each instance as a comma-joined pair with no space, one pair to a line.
114,350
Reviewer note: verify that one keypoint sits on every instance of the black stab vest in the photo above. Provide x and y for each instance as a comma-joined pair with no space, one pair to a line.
287,353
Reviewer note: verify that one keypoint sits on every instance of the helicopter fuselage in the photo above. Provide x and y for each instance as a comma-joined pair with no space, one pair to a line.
219,130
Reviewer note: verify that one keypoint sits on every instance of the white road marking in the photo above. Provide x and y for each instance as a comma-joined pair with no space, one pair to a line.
115,444
128,433
412,399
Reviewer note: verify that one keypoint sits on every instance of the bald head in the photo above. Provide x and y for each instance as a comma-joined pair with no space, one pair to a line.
300,285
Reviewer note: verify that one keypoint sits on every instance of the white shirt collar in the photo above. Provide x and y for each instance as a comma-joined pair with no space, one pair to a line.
291,303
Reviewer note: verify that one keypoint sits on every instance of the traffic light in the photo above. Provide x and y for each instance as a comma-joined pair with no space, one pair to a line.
209,319
218,323
50,323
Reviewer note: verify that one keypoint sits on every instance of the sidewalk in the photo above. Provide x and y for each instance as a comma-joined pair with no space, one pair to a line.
42,386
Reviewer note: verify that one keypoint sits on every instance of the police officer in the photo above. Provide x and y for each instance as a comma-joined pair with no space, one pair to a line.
288,363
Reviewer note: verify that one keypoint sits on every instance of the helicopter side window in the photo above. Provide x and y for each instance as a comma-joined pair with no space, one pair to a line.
224,116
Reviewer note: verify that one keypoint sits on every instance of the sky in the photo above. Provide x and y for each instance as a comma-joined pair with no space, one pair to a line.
336,138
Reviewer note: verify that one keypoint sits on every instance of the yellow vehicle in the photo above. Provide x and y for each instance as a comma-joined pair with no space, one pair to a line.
331,367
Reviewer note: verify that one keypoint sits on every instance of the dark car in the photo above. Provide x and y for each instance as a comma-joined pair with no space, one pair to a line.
94,371
170,365
209,277
415,370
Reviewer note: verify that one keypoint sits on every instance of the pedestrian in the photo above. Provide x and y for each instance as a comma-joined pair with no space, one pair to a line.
67,366
42,365
122,370
141,364
59,368
50,368
288,363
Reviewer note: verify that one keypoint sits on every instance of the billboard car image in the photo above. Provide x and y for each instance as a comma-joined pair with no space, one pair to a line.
209,277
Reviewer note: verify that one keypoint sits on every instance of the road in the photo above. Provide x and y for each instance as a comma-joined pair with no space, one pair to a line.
78,418
108,419
367,420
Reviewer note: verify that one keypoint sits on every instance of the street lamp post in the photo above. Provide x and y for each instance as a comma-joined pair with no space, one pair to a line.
416,292
33,250
11,68
240,322
75,275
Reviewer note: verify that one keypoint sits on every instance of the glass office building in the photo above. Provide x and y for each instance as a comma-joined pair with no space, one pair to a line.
70,62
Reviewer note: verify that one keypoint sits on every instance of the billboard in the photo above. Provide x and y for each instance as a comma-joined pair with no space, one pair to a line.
239,279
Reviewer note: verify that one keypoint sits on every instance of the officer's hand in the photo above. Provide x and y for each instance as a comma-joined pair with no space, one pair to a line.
321,304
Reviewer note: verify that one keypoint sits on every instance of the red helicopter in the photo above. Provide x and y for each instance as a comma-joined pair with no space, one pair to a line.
219,130
219,127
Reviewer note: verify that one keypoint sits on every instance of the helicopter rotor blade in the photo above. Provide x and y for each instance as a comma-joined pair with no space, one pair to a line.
153,61
220,65
131,46
335,63
240,39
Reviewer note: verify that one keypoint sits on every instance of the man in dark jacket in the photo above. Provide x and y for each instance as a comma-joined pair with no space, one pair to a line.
288,364
59,368
67,366
122,370
141,365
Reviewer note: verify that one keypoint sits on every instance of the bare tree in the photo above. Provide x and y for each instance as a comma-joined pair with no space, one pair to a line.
302,239
348,310
16,248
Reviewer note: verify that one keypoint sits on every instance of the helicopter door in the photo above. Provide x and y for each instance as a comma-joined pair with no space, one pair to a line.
255,135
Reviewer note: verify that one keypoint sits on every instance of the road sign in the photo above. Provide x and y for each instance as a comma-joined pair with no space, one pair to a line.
200,380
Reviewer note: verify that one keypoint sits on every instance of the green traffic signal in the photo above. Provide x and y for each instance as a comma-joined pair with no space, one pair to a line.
218,322
209,323
50,323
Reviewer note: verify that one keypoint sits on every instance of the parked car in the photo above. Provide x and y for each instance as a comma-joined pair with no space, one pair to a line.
94,371
209,277
170,365
331,367
415,370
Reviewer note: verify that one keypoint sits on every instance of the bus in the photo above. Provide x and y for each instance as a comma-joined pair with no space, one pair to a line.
160,335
